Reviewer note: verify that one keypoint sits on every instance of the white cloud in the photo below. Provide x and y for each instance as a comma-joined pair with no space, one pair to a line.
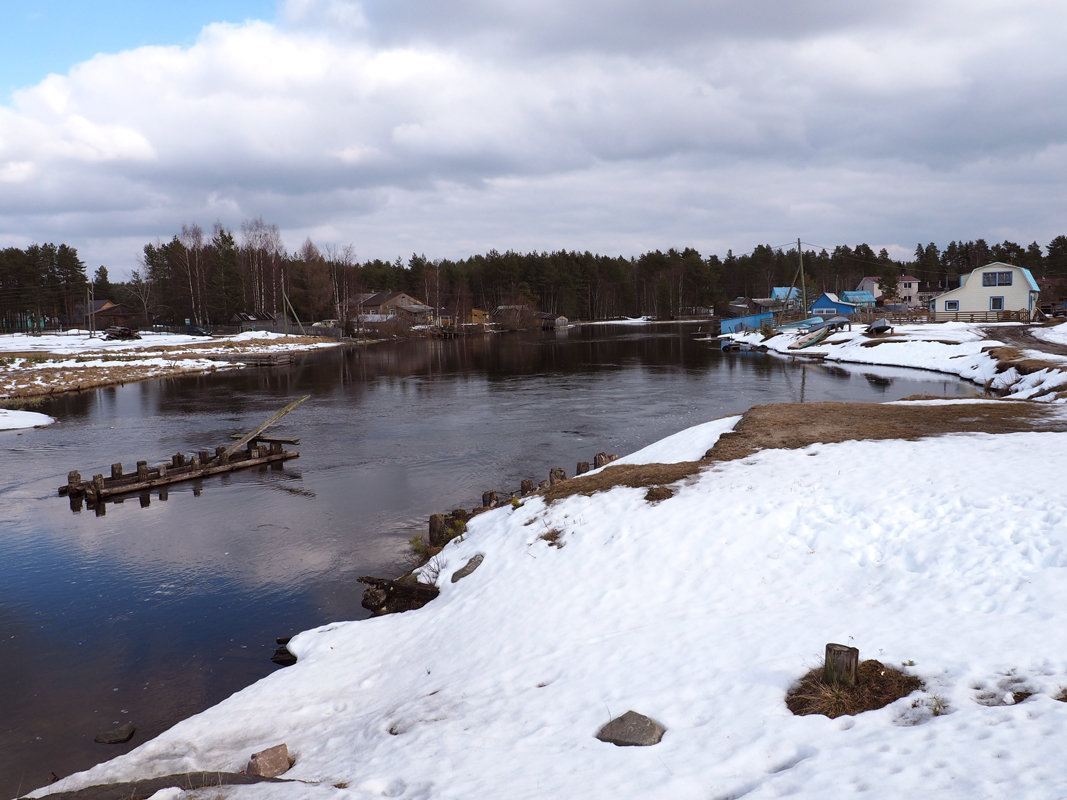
408,126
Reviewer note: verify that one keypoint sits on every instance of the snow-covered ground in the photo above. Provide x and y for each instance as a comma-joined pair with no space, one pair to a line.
944,556
11,419
39,365
958,348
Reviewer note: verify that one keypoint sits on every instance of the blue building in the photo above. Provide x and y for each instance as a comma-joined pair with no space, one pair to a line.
829,304
859,299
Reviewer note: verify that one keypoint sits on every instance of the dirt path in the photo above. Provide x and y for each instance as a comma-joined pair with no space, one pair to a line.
1022,337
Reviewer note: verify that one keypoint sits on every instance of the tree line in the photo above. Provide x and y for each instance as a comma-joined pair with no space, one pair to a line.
208,277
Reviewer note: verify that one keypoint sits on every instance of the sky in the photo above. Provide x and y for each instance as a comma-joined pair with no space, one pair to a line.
406,126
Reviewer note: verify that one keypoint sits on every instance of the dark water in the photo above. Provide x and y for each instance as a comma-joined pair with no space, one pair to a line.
151,614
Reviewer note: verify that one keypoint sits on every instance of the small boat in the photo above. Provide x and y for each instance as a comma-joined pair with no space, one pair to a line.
731,346
805,324
810,338
833,324
879,326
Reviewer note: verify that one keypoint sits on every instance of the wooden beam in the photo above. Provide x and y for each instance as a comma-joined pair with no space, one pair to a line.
233,448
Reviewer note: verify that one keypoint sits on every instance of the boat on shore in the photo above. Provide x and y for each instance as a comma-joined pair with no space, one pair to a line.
811,337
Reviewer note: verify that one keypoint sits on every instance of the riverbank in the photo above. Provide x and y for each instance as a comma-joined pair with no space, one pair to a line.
50,364
699,605
986,354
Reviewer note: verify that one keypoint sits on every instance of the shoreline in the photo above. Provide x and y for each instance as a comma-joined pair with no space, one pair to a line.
553,667
74,362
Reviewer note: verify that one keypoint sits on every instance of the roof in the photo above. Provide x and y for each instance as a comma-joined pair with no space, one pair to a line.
858,297
833,298
1000,265
782,293
910,278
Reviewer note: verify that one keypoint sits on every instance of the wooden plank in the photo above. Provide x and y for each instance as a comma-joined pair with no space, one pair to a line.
233,448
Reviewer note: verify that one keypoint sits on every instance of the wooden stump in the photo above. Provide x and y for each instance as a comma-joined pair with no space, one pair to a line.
841,665
582,468
556,474
602,459
527,486
437,530
490,499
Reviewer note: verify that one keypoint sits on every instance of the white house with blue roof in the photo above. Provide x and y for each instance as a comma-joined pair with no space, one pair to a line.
996,287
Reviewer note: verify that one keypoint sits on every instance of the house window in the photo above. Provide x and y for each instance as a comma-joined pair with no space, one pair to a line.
996,278
952,305
996,303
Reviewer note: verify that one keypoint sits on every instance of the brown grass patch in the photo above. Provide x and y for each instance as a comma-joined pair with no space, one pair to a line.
1008,357
876,687
795,425
657,493
636,476
792,426
552,537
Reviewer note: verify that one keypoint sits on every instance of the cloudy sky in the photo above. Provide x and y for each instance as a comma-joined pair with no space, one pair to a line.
450,128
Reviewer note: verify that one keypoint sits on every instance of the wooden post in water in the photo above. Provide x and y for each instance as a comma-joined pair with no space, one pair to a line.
142,471
116,471
841,665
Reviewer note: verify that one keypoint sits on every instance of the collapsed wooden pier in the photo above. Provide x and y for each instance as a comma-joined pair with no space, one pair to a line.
250,450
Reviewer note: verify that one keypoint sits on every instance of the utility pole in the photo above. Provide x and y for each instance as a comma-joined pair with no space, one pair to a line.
90,301
803,286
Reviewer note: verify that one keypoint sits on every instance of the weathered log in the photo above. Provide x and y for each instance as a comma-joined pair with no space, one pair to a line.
582,468
556,474
490,499
437,530
841,665
527,486
233,448
602,459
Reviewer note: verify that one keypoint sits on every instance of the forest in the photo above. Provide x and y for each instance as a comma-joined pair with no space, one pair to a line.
207,277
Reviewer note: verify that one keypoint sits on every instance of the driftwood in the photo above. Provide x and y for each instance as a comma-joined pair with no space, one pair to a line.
141,790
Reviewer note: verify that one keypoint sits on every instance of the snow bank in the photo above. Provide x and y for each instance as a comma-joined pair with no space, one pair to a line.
956,348
14,420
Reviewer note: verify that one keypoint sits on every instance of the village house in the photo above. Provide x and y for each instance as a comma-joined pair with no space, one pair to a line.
990,291
102,314
908,290
829,304
382,306
860,299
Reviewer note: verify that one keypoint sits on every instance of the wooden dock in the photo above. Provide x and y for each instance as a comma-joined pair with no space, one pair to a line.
257,450
259,359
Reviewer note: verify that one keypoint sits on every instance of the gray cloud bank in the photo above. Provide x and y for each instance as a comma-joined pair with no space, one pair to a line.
404,126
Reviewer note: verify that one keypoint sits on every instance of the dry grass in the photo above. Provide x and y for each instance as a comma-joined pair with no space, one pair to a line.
876,687
795,425
1009,357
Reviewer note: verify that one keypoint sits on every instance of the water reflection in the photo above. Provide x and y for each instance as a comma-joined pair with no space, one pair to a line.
171,601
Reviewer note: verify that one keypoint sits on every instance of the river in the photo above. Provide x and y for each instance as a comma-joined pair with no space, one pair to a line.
152,612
